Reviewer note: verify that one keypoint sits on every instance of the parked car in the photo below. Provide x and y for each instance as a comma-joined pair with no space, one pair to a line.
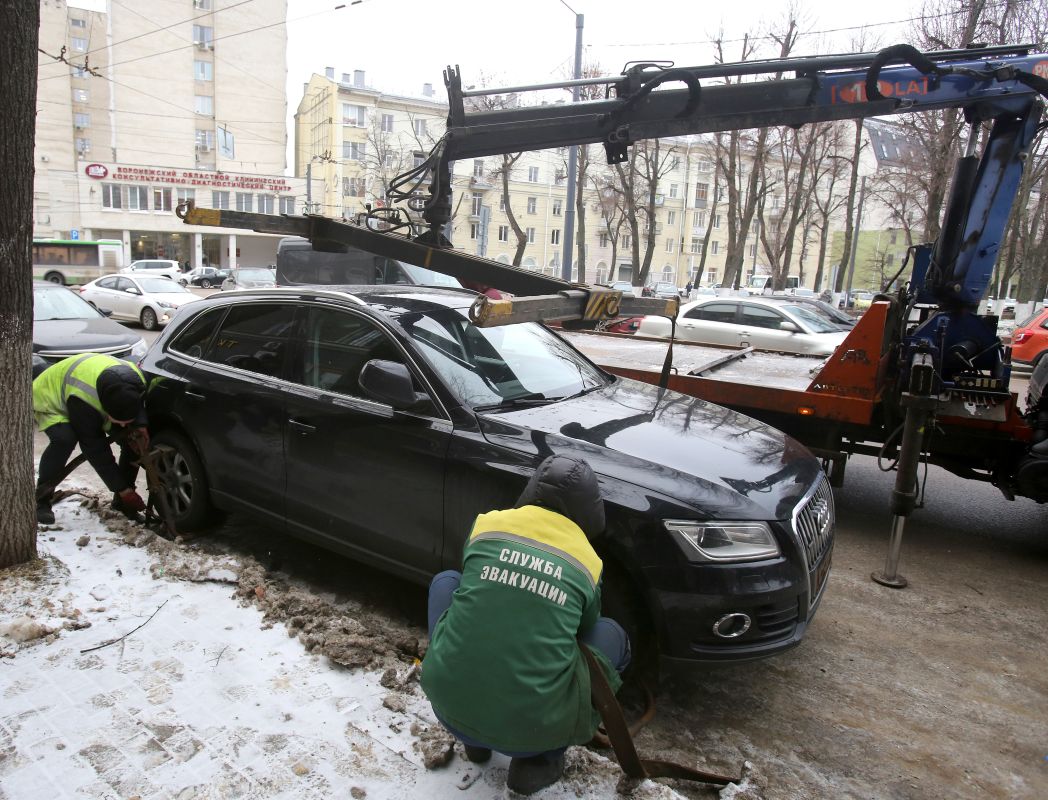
1030,339
204,277
833,314
767,323
1002,308
625,287
621,325
155,267
380,423
250,278
662,290
149,301
64,325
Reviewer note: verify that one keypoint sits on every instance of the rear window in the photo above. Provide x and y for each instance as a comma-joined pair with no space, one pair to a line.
715,312
1030,320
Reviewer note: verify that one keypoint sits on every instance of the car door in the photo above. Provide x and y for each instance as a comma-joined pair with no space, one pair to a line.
761,327
232,401
712,323
362,477
104,293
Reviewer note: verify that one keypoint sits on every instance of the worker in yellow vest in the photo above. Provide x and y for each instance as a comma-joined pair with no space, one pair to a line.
77,401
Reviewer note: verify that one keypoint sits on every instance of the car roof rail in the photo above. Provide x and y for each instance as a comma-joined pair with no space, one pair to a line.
296,291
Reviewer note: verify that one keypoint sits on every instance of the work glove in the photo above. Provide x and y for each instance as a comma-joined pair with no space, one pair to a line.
138,440
131,500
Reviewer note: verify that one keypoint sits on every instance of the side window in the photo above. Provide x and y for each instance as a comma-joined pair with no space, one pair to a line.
107,283
254,337
758,317
337,345
195,337
714,312
123,284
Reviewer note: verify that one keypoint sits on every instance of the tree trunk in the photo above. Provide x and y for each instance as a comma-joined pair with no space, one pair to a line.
522,238
849,223
19,26
580,212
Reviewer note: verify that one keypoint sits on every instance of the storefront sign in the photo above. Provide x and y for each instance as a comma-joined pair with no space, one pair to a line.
218,180
96,171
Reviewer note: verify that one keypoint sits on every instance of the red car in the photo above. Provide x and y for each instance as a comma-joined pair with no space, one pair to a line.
1030,338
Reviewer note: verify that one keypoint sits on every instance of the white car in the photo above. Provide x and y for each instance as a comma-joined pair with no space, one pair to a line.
765,323
157,267
150,301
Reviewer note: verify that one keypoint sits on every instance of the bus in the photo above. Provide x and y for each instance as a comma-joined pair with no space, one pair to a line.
758,283
70,261
299,263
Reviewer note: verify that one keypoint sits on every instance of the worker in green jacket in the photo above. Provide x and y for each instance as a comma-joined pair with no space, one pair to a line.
78,401
504,671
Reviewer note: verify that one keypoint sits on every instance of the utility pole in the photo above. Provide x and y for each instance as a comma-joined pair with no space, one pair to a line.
855,241
573,159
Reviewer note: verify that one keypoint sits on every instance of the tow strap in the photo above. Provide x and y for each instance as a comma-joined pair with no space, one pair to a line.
622,742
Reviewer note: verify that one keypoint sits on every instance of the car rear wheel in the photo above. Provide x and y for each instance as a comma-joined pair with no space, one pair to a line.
184,481
183,282
205,284
149,321
55,277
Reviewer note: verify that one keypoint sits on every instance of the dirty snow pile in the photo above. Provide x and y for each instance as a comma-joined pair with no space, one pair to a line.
131,666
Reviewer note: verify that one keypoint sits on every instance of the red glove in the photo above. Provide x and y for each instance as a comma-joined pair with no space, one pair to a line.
132,500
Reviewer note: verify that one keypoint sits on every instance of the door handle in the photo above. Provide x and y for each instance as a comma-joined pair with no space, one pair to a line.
302,427
191,391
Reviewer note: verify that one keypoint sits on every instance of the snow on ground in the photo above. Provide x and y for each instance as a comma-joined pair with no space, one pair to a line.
134,667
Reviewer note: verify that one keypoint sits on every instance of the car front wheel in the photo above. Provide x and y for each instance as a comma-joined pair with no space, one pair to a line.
184,481
205,284
149,321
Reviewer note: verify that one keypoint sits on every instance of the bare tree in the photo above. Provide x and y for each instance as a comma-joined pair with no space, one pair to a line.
19,27
612,217
503,173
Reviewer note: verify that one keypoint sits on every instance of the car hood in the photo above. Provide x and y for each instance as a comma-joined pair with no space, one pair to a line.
84,335
721,464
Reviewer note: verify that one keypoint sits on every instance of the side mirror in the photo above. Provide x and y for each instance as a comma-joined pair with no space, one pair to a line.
789,327
389,382
132,290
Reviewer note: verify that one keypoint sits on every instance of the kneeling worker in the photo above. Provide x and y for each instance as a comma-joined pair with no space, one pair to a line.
504,670
77,401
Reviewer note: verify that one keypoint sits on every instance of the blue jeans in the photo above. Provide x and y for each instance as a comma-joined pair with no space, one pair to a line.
606,635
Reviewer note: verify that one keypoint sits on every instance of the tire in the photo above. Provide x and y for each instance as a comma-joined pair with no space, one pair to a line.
205,284
186,487
149,320
55,277
183,282
620,601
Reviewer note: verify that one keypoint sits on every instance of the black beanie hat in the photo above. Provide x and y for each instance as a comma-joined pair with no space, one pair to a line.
567,485
120,392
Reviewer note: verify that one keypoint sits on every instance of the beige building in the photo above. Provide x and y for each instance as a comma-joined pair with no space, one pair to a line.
142,108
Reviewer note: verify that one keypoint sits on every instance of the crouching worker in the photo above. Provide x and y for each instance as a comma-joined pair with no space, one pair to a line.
504,671
77,401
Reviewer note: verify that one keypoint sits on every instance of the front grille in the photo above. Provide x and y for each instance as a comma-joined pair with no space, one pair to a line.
813,521
123,351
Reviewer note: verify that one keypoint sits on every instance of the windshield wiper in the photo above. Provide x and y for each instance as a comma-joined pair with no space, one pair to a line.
524,401
579,393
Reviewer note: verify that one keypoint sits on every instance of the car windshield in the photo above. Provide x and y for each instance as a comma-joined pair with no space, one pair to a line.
813,320
665,287
259,274
161,286
60,304
505,366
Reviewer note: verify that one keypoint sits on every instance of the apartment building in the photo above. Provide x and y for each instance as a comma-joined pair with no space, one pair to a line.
142,107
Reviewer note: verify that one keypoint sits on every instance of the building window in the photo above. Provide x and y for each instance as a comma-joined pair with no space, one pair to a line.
626,241
753,250
287,205
82,96
533,174
202,36
703,165
671,217
265,204
716,221
602,240
78,23
203,70
478,167
675,162
204,104
357,116
532,205
138,198
699,219
894,237
79,44
673,190
558,206
352,187
420,127
554,236
80,72
474,230
354,151
81,120
388,160
205,140
202,5
889,259
696,245
185,195
162,199
387,123
559,177
702,191
418,159
503,233
531,235
244,201
83,146
714,247
112,196
502,202
669,245
478,201
220,200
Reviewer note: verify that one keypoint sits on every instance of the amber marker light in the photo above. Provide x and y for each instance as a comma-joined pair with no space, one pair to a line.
805,411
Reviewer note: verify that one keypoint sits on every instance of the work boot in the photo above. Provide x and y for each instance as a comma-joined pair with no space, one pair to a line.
118,505
528,775
478,755
44,514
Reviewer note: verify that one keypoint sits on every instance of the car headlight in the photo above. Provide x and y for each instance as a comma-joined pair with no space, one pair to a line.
139,349
165,304
724,541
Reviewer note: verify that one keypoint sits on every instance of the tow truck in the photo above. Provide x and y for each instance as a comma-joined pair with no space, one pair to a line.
921,376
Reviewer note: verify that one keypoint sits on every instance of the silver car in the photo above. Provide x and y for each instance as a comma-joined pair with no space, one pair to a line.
763,323
148,301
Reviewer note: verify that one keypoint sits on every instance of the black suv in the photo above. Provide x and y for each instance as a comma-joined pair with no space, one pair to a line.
379,421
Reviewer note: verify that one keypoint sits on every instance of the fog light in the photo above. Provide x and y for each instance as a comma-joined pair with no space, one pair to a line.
732,626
